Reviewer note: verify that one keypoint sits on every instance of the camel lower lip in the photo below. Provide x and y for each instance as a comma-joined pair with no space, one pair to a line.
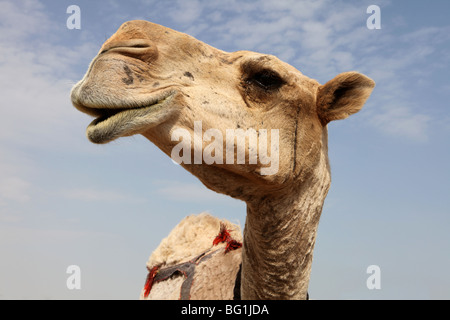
126,122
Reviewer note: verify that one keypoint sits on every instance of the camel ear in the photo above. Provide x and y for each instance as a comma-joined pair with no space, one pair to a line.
343,96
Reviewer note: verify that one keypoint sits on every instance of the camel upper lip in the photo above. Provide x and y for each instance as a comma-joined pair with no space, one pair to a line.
102,113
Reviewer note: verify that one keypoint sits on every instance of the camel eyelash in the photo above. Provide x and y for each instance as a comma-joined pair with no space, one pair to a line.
266,79
262,78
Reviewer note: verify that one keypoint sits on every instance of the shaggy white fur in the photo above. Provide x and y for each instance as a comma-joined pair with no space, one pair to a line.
193,236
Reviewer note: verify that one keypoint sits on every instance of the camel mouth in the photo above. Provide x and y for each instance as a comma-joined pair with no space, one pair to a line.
113,122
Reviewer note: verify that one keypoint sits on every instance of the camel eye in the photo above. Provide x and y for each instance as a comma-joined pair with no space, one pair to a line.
266,79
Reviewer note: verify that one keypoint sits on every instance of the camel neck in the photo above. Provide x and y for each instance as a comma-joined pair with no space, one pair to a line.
279,236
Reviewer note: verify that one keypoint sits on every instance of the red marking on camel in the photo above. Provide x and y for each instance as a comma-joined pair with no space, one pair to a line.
149,282
224,236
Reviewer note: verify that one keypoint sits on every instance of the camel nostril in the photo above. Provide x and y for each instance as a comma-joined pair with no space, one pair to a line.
136,48
133,43
140,45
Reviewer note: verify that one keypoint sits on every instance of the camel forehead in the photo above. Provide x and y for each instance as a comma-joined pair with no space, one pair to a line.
160,35
141,29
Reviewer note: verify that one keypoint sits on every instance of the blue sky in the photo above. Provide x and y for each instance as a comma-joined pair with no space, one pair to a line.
65,201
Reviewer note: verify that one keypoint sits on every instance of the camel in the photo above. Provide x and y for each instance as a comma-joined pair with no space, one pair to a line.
151,80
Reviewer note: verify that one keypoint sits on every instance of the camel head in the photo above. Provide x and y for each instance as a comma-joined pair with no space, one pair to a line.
197,103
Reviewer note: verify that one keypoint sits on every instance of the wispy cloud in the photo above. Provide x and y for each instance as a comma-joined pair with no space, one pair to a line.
36,76
15,183
14,188
399,120
190,192
90,194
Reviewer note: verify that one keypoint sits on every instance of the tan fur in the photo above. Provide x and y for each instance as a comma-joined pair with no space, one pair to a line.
165,290
222,268
153,80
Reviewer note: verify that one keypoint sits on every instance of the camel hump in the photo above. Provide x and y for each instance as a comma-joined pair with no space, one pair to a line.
199,259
